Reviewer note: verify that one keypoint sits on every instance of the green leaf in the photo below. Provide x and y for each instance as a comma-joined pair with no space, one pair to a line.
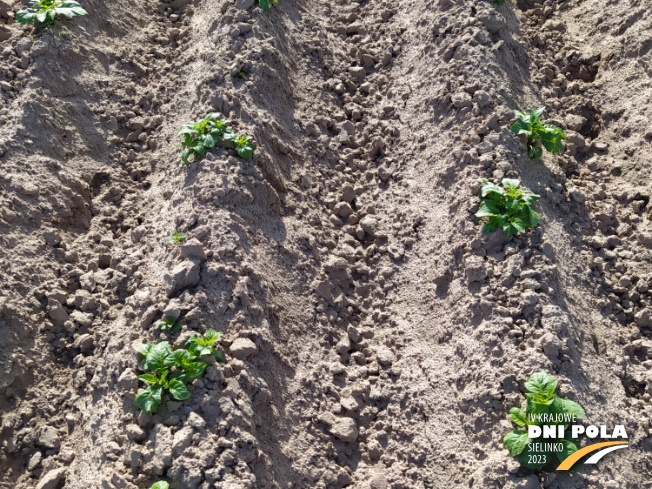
149,378
534,407
26,16
521,127
41,16
230,136
264,5
519,225
160,357
211,336
182,357
161,485
245,152
209,140
187,129
192,371
534,218
552,145
487,209
149,399
488,187
193,349
71,9
569,449
535,152
515,441
518,416
537,113
145,349
179,390
489,227
541,383
509,230
219,356
511,183
566,406
185,156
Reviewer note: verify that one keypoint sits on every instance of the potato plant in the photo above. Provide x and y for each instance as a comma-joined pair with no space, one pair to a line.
244,146
170,323
165,375
160,485
541,400
170,370
202,135
200,346
44,12
265,5
176,237
508,207
538,132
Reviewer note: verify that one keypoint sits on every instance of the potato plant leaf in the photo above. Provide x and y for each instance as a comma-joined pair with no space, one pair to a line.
149,399
160,485
178,390
515,441
560,405
160,357
518,416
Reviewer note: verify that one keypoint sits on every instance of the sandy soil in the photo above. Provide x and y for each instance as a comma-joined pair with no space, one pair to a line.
374,337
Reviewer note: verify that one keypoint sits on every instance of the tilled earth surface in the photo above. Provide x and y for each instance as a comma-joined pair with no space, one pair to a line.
374,337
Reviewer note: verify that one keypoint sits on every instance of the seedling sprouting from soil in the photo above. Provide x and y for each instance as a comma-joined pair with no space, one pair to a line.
240,74
244,145
43,12
265,5
508,207
537,131
160,485
541,400
170,323
169,371
202,135
176,237
199,346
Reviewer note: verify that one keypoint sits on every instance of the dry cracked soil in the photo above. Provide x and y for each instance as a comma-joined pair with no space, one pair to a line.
374,337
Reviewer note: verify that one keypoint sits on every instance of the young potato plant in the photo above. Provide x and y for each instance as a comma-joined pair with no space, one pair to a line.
176,237
538,132
199,346
169,371
265,5
542,407
508,207
170,323
202,135
43,12
160,485
244,145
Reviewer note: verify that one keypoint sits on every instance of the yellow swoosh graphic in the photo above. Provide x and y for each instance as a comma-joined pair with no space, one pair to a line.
568,463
